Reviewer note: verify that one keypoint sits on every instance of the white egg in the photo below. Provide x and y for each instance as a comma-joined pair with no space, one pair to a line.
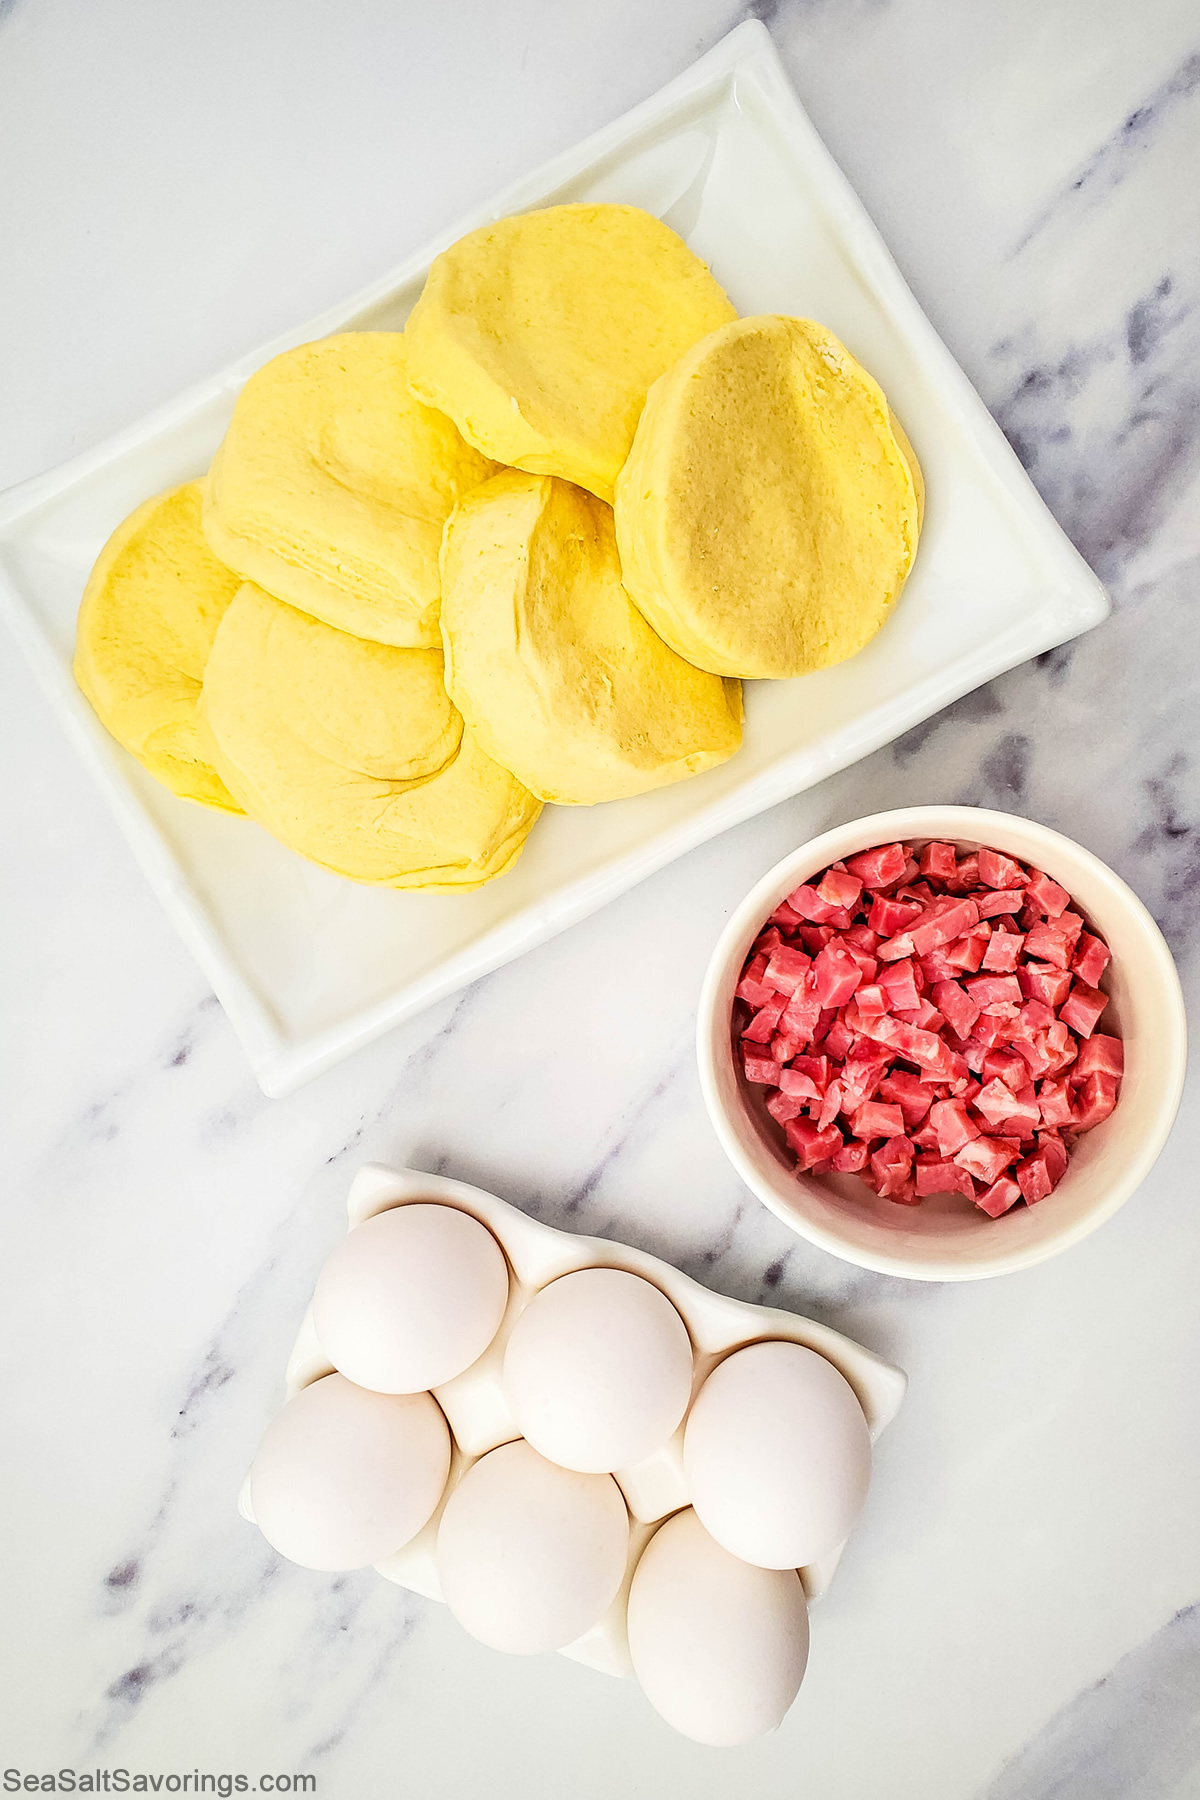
777,1455
410,1298
598,1370
529,1555
344,1476
718,1646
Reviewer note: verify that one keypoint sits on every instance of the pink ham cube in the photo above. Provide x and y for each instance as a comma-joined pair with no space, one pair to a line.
1046,895
999,871
836,974
1092,957
987,1158
957,1006
880,867
1003,952
1008,900
1082,1007
939,862
906,1090
952,1121
760,1068
1054,1102
1096,1098
786,969
943,926
966,954
852,1158
783,1107
875,1119
811,1144
999,1197
892,1165
761,1028
934,1175
899,982
1098,1052
838,887
889,917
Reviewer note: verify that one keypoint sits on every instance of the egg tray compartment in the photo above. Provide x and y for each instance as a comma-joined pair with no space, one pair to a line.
477,1412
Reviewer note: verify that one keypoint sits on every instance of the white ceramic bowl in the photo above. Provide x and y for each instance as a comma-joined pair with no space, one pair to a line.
945,1238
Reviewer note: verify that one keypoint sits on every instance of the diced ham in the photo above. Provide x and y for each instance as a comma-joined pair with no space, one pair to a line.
1008,900
954,1125
839,1039
836,974
939,862
957,1006
909,1092
1054,1101
899,982
943,927
762,1025
986,1158
838,887
750,988
1094,1100
966,876
1055,1153
999,871
875,1119
925,1016
803,1011
1033,1179
1092,957
1046,895
872,1002
806,901
988,990
810,1143
786,969
966,954
936,1175
999,1197
892,1164
1017,1115
761,1068
887,917
794,1081
1005,1066
1003,952
1040,981
880,867
1100,1053
945,1010
1081,1008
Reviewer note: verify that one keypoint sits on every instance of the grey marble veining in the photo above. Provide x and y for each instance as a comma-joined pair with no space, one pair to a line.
1016,1618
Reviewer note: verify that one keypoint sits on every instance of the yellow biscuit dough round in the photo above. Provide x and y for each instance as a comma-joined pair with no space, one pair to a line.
552,666
768,514
333,483
351,754
146,624
541,334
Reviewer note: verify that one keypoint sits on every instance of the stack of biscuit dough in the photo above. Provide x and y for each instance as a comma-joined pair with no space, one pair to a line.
523,551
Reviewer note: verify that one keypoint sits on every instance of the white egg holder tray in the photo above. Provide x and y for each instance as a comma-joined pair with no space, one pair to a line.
478,1415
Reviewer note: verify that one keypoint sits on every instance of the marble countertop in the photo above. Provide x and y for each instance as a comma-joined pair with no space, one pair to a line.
1018,1616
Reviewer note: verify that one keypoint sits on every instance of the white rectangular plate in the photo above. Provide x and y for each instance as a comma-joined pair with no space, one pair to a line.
309,966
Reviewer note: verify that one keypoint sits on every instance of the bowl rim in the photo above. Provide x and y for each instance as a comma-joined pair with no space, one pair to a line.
969,824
